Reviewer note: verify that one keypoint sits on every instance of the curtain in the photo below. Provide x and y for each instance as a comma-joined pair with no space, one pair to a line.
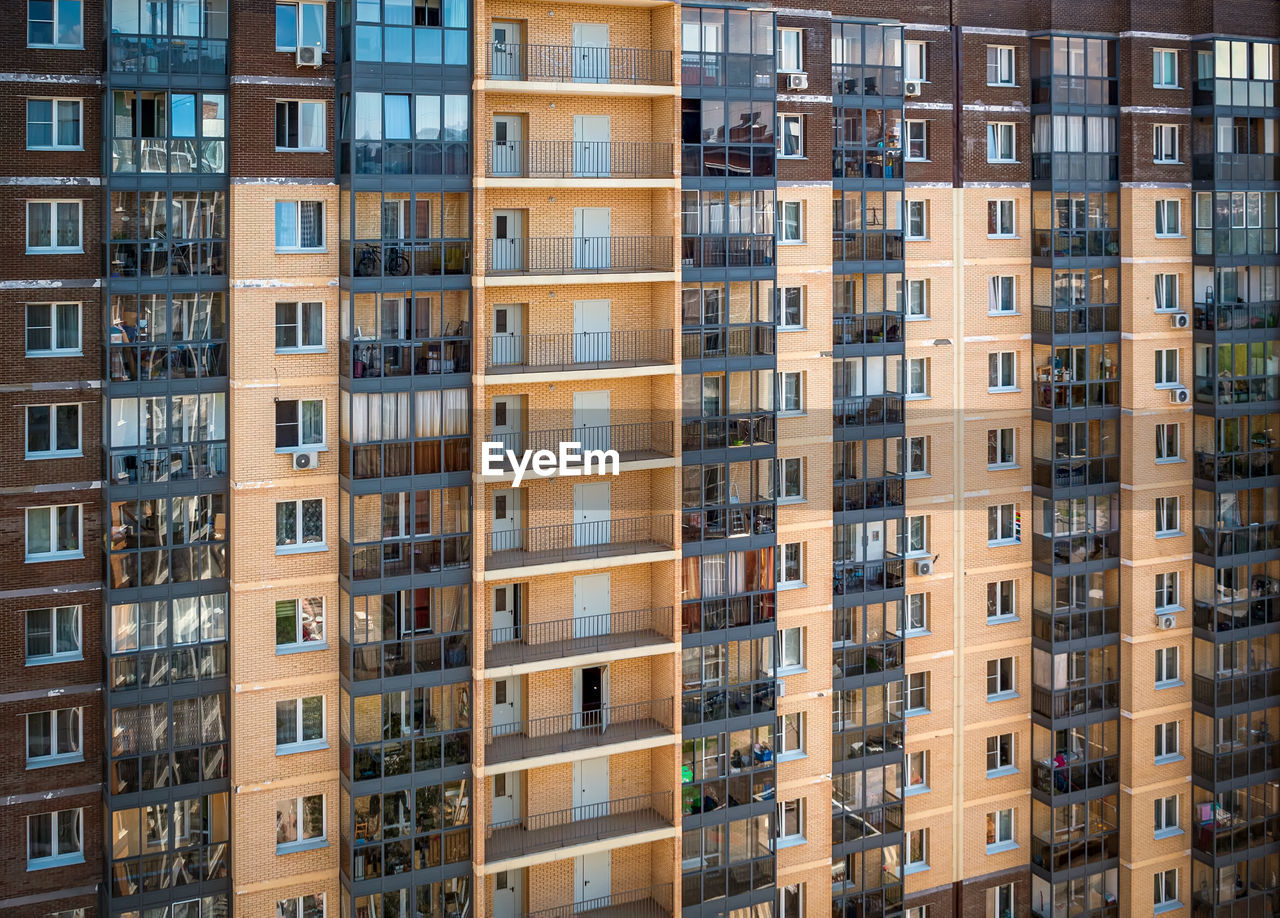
713,575
311,226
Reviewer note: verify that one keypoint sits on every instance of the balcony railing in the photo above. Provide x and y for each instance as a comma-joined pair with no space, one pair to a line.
857,80
1229,465
739,519
187,54
650,902
1074,320
1075,472
699,343
404,258
1076,548
1237,759
867,410
567,637
1072,624
560,733
1237,316
578,64
1237,540
579,254
579,824
853,577
1076,776
868,493
632,442
1072,848
867,246
580,159
1229,689
639,347
719,433
574,541
1235,167
1069,702
736,251
866,329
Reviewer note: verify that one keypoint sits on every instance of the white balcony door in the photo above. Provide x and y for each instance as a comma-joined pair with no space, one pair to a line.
592,513
591,601
591,145
505,52
591,228
508,335
592,877
506,798
508,145
592,331
508,240
506,520
507,423
590,786
506,613
591,52
506,886
506,705
591,419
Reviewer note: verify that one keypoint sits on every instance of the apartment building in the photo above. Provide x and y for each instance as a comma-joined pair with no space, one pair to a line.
309,289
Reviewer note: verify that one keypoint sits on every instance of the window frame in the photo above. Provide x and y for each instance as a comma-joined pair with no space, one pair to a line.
785,236
917,211
300,843
53,554
299,308
916,602
785,118
923,140
798,34
1003,824
1005,676
1002,515
784,666
924,378
1165,138
301,644
785,751
300,907
1012,62
1167,819
54,656
1000,446
921,688
53,248
785,564
298,5
784,839
909,525
1165,303
997,747
1168,659
303,546
923,787
56,860
297,247
996,207
55,44
995,293
1162,368
302,744
54,452
1168,583
920,284
55,757
1163,732
996,600
791,392
910,444
300,446
997,133
1158,71
324,126
1163,453
915,54
1004,365
922,836
1162,218
55,103
54,351
783,476
1162,514
783,324
1160,896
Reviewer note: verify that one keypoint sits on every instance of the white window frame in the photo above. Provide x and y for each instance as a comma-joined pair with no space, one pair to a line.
914,124
1166,821
909,866
923,364
998,62
791,564
791,900
997,747
1003,208
1003,822
996,287
783,324
798,36
56,103
299,309
1161,900
915,61
1006,439
300,744
1168,510
916,684
785,119
55,350
300,644
1159,57
917,614
54,452
916,530
56,860
790,231
791,392
1168,588
917,211
1167,293
795,838
917,448
1004,365
1164,143
1002,142
57,756
784,464
1005,679
1167,370
302,545
1000,901
300,905
790,650
908,765
302,447
56,29
1168,743
1168,666
54,655
785,752
917,299
324,30
1004,515
1168,443
54,554
996,601
297,246
53,248
1166,207
311,104
300,843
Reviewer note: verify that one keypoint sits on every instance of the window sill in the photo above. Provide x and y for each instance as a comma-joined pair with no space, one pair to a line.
909,869
912,159
917,632
1002,390
1169,759
290,450
916,555
1169,610
916,318
1166,386
51,761
916,712
793,156
60,556
783,501
915,238
1167,162
915,398
1168,833
1171,461
311,746
790,670
792,585
791,328
1002,619
59,47
1003,467
1004,772
1167,907
1169,236
52,658
283,650
913,475
62,860
1002,543
1001,847
792,413
1004,85
1170,534
309,548
75,251
1172,683
791,756
785,242
996,313
323,251
1003,236
301,150
79,149
1002,162
302,350
69,454
916,789
1001,696
790,841
43,355
310,844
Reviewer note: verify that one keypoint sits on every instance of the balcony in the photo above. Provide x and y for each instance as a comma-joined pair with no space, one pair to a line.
1256,459
866,329
1072,623
857,80
722,432
536,642
1255,604
1223,542
558,353
186,55
584,159
1075,775
1085,699
850,823
578,64
1235,167
1075,471
1229,689
575,732
1075,167
1076,548
868,410
579,255
739,519
855,493
867,246
737,251
1080,319
1239,316
578,825
651,902
1237,759
578,541
853,577
632,442
407,259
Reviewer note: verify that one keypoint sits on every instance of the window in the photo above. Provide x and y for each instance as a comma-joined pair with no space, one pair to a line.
301,907
791,307
1168,217
917,850
1166,292
791,821
917,528
300,624
1164,68
791,136
1166,740
1001,371
1166,516
1167,590
1166,367
917,457
299,226
1000,753
299,524
917,141
54,839
1166,889
791,478
1000,682
791,901
53,635
299,326
1000,901
790,51
915,60
54,124
790,229
1166,665
1166,814
791,735
792,392
1000,65
53,430
917,613
918,299
1000,142
300,24
53,533
1000,218
1168,442
917,693
299,823
1000,600
917,222
299,423
917,377
1000,299
1001,524
53,226
55,24
1000,830
54,737
53,329
1166,143
791,649
300,126
918,911
299,724
791,564
1001,451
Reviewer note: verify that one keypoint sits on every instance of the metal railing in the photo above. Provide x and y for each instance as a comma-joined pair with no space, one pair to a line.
650,902
580,159
579,254
575,825
740,250
584,350
852,577
1085,699
578,64
570,541
1240,316
534,641
864,410
629,441
867,329
558,733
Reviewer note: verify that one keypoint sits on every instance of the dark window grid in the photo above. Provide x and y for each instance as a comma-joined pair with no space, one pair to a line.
139,145
175,851
408,830
723,869
1074,836
866,803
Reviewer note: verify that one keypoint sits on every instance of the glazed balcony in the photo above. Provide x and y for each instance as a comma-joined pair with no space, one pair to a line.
537,642
563,352
632,442
1075,700
853,577
868,410
734,430
577,731
1237,316
866,329
1073,623
650,902
1252,605
584,159
740,250
1259,754
1230,688
579,255
578,825
855,493
557,544
1075,775
186,55
1077,319
512,62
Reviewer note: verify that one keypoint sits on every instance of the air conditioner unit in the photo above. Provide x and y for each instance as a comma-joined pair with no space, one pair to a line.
924,567
309,56
912,88
797,81
1166,622
1180,320
780,688
305,460
1179,396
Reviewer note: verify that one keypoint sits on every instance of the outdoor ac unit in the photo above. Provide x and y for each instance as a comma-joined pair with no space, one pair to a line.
1180,320
1166,622
797,81
924,567
780,689
913,88
309,56
1179,396
305,460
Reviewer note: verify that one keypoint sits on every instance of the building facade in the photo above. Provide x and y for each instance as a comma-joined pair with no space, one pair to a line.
310,294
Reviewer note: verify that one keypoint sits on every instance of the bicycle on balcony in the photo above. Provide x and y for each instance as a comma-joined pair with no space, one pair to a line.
371,263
